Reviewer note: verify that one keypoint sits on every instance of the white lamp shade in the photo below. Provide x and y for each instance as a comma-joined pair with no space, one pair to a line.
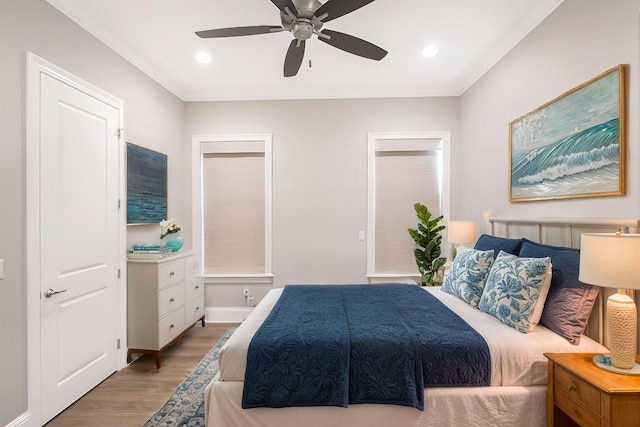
610,260
461,232
613,261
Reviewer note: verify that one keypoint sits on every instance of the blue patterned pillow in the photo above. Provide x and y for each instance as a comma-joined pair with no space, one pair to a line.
468,274
514,288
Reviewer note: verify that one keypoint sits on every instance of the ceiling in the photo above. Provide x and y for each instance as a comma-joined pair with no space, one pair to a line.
157,36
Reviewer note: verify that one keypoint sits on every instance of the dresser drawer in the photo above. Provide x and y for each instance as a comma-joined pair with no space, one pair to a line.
575,409
191,267
171,326
170,299
194,310
578,389
170,273
193,288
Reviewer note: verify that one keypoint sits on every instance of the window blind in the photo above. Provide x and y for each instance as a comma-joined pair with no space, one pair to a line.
402,178
233,213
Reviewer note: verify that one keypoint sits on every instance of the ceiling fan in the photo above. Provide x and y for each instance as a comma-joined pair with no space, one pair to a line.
304,18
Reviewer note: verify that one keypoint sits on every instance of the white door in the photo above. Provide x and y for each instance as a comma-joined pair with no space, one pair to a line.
79,181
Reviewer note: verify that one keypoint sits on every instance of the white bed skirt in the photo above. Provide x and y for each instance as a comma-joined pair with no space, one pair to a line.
452,407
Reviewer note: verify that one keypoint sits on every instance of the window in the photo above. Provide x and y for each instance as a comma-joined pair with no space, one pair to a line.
404,168
232,205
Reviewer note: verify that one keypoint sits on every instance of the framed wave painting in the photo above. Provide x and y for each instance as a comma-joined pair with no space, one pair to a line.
573,146
146,185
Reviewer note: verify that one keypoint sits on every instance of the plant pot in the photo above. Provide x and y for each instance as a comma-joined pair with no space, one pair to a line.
174,241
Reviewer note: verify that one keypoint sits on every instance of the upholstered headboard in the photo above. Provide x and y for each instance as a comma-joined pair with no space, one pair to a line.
567,232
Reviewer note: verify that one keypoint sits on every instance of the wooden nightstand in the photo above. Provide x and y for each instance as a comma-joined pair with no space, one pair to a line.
581,394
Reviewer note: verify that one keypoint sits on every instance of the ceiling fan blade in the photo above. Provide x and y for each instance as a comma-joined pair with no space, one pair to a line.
293,60
337,8
282,4
353,45
239,31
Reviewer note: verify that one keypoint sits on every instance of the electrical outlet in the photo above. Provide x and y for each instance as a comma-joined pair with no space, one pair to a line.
246,292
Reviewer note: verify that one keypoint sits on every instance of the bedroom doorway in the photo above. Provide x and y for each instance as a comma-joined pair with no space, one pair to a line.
74,232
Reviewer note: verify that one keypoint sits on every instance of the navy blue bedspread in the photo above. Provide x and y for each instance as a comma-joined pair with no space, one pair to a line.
335,345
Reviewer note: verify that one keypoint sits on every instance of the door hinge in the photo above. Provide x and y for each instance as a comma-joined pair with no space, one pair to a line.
118,273
118,203
119,133
118,343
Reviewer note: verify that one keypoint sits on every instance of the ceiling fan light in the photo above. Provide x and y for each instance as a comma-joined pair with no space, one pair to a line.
203,57
430,51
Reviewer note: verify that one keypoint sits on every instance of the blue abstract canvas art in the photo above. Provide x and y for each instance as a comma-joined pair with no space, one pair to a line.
146,185
572,146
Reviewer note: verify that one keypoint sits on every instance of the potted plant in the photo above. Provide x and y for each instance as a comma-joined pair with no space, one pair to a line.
428,239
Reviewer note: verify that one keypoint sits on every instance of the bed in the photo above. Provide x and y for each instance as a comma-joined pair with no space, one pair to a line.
516,393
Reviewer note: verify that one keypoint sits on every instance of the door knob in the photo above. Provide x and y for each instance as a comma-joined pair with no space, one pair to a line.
50,292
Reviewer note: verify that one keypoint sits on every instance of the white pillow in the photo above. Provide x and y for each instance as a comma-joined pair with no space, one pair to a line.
542,298
516,290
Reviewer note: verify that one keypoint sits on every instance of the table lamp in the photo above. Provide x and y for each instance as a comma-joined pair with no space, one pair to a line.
461,232
612,260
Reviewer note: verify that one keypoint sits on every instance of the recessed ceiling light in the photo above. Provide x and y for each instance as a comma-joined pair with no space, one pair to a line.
430,51
203,57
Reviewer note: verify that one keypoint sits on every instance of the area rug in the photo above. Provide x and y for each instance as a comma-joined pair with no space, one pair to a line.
185,407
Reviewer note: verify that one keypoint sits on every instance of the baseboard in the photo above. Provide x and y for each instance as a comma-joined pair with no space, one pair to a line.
226,314
21,421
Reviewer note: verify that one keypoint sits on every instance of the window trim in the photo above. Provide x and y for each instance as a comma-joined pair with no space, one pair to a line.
410,141
232,143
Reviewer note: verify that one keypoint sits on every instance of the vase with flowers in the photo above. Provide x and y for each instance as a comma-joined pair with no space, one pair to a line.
171,234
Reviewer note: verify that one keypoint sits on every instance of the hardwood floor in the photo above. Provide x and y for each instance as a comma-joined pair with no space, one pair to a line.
132,395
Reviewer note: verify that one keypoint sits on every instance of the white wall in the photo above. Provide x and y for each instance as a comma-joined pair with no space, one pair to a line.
578,41
153,117
320,173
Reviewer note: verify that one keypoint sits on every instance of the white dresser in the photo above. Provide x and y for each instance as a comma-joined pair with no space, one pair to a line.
164,299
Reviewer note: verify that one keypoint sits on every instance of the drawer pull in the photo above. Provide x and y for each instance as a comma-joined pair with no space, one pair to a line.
572,387
197,308
575,411
197,287
172,274
171,299
171,327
